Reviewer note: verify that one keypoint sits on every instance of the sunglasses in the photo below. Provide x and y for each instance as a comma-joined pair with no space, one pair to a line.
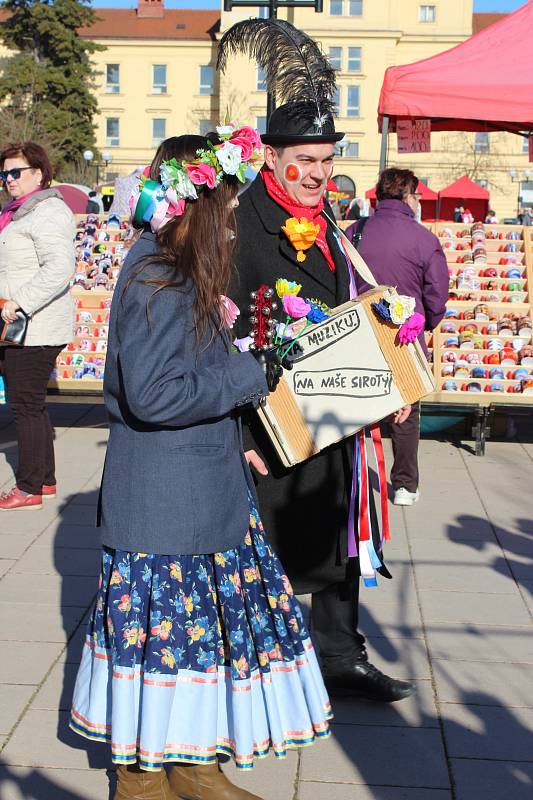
13,173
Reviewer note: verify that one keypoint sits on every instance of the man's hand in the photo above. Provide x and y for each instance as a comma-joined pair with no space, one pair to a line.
9,311
255,461
400,416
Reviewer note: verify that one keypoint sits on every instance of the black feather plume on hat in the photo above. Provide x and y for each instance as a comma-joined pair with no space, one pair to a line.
296,71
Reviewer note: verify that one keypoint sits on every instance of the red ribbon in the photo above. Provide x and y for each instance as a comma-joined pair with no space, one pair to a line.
364,521
384,501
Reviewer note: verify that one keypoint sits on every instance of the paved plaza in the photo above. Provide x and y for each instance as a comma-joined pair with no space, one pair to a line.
457,619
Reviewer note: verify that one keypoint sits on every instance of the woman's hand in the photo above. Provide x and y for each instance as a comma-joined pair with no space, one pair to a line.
9,311
255,461
400,416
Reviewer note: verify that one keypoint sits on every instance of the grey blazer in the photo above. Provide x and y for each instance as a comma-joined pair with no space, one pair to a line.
175,478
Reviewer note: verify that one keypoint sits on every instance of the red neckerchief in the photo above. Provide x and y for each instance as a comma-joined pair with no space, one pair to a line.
313,213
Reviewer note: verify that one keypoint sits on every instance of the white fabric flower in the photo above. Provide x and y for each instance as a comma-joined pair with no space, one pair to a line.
401,307
225,130
229,157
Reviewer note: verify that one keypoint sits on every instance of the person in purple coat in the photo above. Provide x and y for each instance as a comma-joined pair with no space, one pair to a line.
402,253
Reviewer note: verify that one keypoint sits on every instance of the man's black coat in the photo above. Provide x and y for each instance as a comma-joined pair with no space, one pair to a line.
304,508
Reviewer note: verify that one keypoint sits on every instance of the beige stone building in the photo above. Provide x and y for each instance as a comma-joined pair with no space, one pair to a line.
157,78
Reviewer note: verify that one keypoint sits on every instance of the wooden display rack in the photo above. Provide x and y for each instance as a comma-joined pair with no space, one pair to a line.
64,387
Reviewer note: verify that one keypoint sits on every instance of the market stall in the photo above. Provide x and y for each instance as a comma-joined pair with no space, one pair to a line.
461,90
428,200
101,242
463,192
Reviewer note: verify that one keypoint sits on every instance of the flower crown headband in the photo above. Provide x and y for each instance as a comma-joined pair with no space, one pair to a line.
157,202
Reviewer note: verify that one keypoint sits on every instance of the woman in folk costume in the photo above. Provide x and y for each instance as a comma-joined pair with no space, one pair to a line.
196,646
319,514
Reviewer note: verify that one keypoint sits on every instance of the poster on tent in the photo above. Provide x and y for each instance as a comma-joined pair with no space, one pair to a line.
414,135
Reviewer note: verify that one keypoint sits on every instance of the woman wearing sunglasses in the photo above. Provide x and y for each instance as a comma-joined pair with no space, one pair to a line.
36,264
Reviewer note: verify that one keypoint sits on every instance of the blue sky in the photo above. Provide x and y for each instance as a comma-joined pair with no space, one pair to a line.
479,5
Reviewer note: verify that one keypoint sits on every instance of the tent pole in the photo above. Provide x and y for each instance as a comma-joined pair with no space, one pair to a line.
384,143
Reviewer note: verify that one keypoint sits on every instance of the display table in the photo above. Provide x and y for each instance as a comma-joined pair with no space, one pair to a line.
101,242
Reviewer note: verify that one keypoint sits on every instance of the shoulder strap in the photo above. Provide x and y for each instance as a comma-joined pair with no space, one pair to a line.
357,235
358,262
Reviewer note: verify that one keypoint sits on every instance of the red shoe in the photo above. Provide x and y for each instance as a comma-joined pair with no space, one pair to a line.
48,491
15,500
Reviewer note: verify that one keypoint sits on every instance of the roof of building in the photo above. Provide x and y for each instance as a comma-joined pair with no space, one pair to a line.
123,23
482,21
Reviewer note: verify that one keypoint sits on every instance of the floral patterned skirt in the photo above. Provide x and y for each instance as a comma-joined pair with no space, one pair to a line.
187,657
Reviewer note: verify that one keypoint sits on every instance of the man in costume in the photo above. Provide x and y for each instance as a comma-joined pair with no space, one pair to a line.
305,509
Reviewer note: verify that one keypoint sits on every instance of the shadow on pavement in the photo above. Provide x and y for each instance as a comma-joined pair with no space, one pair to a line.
34,785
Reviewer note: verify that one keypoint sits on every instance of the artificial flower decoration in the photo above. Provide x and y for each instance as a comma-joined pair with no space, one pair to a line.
157,202
319,311
394,307
295,306
228,311
412,328
283,287
401,306
301,233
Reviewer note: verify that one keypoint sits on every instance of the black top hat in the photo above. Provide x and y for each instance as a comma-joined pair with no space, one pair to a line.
300,123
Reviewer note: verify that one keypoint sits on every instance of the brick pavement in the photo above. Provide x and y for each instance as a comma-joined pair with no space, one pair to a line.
457,618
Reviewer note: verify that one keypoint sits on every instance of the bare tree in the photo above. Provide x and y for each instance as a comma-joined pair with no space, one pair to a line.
463,155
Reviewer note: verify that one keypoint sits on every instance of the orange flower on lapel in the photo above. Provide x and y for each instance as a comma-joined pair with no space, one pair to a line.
301,233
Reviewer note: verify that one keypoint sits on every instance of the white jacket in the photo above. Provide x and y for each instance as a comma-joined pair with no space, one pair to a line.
37,262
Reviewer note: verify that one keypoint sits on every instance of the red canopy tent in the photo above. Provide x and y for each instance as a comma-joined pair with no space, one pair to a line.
428,200
476,86
467,193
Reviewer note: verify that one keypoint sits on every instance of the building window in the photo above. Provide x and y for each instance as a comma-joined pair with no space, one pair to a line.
481,144
159,131
335,8
260,84
262,12
525,144
261,124
335,57
347,150
427,14
356,8
337,102
354,59
205,126
112,132
159,78
207,79
353,107
112,78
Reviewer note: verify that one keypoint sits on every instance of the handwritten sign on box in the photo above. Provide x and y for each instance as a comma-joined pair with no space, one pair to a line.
353,372
414,135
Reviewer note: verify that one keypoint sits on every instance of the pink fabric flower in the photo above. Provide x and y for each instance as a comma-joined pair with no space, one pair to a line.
411,328
228,311
146,171
247,148
201,173
295,306
246,132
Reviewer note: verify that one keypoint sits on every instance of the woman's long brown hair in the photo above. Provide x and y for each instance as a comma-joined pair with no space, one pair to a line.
198,245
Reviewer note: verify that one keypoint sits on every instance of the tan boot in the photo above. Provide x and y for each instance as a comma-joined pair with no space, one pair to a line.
134,783
205,782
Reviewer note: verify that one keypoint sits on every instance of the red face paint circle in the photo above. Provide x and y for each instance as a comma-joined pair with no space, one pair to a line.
293,173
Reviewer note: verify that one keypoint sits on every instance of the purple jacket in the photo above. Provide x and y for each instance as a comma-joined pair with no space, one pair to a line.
402,253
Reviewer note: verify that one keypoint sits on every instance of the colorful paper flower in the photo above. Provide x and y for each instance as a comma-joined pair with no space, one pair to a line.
295,306
301,233
412,328
316,312
228,311
283,287
401,306
382,310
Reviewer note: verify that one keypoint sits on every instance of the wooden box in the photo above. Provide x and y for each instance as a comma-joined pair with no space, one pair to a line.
352,373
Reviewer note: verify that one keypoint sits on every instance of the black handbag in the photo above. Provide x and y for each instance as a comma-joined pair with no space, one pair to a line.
12,334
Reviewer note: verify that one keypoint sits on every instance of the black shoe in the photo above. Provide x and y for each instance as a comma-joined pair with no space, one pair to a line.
363,679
